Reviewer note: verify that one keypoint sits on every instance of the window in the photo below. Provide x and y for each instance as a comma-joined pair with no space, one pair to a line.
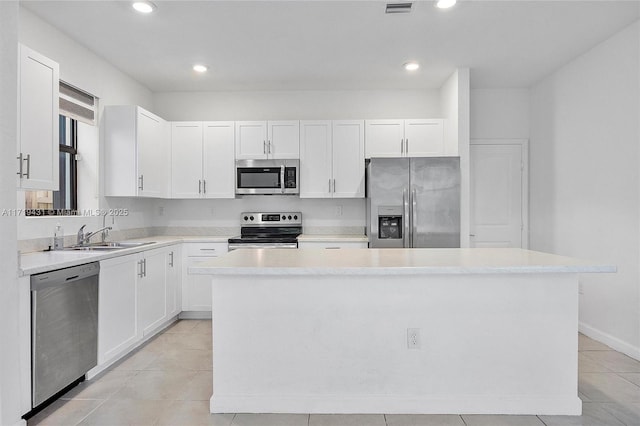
75,105
65,200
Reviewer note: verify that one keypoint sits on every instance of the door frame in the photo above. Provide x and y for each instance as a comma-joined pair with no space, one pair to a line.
524,161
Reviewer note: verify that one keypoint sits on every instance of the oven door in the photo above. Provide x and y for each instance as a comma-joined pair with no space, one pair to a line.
267,177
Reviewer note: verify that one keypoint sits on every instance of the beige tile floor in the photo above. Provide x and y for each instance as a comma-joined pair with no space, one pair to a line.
168,382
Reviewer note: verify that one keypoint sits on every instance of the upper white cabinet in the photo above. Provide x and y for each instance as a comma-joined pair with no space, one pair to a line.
137,153
332,159
202,159
257,140
407,138
37,150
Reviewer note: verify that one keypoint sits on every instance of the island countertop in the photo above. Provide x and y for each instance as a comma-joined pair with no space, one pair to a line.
394,262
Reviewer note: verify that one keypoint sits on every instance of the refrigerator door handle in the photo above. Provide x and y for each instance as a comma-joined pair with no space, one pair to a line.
414,218
405,219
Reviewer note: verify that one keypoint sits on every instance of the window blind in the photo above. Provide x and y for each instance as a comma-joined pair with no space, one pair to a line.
77,104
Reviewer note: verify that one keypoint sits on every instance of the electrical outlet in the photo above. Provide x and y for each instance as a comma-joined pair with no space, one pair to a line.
413,338
161,211
338,210
580,288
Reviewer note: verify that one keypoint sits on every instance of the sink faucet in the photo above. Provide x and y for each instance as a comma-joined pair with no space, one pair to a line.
84,238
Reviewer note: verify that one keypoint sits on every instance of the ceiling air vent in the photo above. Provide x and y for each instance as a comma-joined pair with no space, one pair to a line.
398,8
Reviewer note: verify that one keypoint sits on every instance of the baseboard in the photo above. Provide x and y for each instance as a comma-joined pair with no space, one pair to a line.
195,315
405,404
609,340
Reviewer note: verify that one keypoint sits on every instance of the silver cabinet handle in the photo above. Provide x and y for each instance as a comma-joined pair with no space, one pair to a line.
28,160
144,265
199,186
268,147
140,268
264,147
401,146
171,259
406,142
334,186
414,217
207,249
329,185
204,186
141,182
19,158
472,235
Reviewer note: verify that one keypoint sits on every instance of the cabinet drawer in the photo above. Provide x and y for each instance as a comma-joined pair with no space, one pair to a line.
331,244
206,249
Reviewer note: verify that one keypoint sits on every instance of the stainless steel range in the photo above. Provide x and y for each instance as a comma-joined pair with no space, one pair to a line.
268,230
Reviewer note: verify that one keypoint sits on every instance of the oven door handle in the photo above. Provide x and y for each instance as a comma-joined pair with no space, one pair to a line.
234,246
282,178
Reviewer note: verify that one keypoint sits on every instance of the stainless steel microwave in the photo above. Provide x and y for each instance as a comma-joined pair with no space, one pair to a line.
274,177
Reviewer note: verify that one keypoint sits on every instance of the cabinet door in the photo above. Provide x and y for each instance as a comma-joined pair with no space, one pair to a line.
424,138
315,159
186,160
117,325
152,291
38,121
173,262
348,159
251,140
384,138
219,160
283,140
153,158
196,289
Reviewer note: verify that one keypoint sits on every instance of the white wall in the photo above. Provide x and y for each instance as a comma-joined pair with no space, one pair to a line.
500,113
297,105
9,315
585,184
84,69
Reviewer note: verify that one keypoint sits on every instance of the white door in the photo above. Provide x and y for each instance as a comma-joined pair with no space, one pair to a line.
424,138
251,140
174,280
152,291
348,159
218,160
384,138
497,196
315,159
283,140
186,160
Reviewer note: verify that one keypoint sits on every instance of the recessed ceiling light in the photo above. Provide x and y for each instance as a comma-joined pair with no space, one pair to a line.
445,4
200,68
411,66
144,6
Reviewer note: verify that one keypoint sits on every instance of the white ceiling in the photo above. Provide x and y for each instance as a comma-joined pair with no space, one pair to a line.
324,45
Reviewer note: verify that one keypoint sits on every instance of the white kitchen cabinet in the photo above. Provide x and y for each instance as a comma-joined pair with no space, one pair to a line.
257,140
202,159
196,289
137,153
332,159
117,305
173,263
152,290
406,138
38,144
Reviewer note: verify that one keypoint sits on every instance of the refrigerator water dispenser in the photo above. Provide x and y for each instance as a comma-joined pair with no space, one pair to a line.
390,222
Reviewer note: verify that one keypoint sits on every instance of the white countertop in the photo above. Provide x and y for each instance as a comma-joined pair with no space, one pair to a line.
393,262
333,237
43,261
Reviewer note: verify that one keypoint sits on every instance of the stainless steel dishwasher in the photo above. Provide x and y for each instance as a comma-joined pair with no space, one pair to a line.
64,328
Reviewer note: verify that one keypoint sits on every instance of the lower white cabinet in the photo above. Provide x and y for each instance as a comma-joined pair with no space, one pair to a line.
332,244
196,289
117,296
138,293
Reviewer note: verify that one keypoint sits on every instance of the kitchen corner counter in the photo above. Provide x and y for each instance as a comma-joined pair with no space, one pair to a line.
395,262
43,261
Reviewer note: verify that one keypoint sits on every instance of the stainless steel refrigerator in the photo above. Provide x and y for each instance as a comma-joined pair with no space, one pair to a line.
413,202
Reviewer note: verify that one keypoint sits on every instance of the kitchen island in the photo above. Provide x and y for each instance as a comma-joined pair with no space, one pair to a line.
395,331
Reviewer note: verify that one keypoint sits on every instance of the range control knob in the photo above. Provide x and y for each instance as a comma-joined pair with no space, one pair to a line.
283,217
289,217
246,218
251,217
295,217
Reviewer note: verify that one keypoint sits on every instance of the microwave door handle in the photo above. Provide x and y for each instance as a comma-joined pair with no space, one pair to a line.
282,178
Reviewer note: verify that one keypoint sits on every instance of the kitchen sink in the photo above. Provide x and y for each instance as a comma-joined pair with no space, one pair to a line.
113,245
